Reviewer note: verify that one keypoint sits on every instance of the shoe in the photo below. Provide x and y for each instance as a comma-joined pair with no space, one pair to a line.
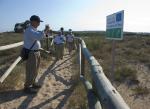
30,90
36,86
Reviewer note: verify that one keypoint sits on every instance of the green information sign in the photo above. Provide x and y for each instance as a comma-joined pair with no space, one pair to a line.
114,29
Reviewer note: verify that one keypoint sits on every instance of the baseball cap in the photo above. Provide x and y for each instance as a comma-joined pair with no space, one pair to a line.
62,29
70,30
35,18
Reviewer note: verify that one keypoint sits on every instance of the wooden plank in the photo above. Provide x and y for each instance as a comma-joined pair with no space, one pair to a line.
4,76
6,47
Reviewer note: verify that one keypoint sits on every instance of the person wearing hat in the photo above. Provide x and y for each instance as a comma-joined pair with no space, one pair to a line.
32,44
49,35
70,41
59,41
63,46
62,30
48,29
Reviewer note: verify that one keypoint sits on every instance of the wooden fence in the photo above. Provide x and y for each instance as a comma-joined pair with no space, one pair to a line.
14,64
101,92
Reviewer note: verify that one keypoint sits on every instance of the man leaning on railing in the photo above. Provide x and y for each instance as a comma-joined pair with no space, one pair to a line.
31,54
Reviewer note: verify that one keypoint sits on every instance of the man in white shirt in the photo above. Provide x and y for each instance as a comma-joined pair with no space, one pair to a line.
70,41
59,41
32,44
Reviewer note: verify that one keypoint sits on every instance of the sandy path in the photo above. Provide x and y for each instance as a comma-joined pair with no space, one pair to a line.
56,89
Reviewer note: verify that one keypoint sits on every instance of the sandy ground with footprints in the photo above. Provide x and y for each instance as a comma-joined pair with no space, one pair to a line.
56,88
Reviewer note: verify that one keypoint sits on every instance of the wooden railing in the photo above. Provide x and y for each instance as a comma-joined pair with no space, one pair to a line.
8,71
102,92
10,46
14,64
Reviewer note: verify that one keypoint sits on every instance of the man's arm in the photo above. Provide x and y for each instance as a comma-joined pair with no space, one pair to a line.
37,35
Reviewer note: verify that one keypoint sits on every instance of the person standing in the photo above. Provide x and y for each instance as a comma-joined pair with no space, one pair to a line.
48,29
63,46
70,41
32,44
59,41
48,36
62,31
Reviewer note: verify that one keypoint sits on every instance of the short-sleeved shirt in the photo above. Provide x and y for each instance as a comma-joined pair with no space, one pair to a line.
59,39
70,38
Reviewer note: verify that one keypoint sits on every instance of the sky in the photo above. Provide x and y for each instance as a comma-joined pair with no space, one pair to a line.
80,15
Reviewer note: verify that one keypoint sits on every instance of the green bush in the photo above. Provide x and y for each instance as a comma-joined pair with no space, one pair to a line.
125,73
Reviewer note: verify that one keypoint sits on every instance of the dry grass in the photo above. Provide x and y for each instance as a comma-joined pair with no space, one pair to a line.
10,37
125,73
14,80
128,51
140,90
78,99
7,57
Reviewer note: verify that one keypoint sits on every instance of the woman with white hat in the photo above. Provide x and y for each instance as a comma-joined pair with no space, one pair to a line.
59,41
70,41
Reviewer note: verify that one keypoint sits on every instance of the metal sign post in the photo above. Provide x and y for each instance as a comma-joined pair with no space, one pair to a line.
113,60
114,31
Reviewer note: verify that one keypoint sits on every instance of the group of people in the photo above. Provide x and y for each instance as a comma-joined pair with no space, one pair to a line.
61,40
32,47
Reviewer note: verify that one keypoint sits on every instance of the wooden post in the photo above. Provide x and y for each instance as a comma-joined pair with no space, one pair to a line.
93,101
79,51
82,63
113,60
94,87
47,43
77,43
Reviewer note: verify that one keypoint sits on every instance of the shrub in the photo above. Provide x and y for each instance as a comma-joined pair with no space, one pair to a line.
125,73
140,90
